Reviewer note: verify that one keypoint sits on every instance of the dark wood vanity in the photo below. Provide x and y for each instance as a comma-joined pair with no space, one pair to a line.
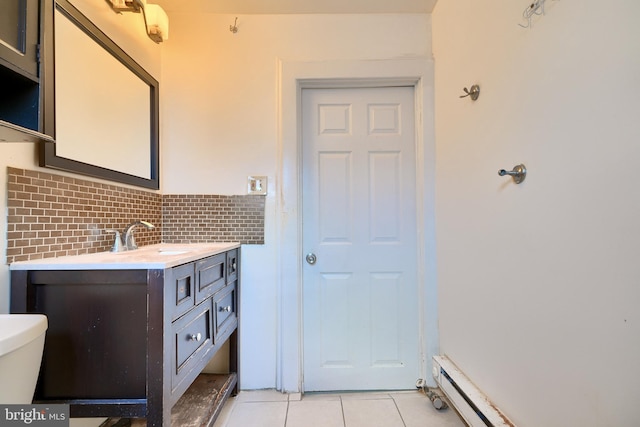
125,341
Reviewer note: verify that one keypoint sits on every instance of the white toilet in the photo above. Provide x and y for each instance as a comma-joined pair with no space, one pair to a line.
21,345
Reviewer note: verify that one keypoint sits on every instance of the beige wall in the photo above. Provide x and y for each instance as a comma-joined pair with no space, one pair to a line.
220,96
16,155
220,91
539,290
219,121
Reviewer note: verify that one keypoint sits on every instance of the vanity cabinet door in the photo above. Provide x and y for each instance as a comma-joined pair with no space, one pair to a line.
193,336
181,284
96,341
19,36
225,308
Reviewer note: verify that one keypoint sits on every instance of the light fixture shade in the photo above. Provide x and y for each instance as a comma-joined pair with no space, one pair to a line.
157,22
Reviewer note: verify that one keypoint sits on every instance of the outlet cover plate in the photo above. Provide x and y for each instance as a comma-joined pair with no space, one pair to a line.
257,185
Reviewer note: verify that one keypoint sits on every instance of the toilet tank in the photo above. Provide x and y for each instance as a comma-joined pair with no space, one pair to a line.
21,346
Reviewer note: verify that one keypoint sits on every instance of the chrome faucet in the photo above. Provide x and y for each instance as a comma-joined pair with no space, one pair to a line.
129,241
117,241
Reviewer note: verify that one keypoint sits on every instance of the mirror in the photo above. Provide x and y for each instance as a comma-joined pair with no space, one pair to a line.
106,106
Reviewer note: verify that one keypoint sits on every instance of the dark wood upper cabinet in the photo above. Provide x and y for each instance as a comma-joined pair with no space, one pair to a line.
25,100
19,36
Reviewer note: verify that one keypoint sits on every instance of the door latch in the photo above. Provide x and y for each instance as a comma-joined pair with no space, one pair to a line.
311,258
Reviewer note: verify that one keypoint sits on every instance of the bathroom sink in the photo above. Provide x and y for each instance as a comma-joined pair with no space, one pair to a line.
171,251
145,251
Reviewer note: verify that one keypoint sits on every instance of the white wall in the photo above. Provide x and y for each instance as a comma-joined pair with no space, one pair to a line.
220,107
539,284
19,155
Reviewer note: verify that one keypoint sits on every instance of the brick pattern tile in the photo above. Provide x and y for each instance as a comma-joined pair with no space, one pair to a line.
204,218
51,215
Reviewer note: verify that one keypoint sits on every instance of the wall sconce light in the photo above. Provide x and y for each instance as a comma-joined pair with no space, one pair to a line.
156,21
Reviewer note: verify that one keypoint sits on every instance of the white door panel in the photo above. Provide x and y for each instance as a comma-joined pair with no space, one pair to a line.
359,219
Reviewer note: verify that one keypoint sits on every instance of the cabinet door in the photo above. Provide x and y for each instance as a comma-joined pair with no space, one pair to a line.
225,311
180,282
19,36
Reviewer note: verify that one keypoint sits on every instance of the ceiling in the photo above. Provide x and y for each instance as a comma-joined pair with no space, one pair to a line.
247,7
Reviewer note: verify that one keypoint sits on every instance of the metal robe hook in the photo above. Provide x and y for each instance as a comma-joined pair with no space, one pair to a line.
234,28
474,92
535,8
519,173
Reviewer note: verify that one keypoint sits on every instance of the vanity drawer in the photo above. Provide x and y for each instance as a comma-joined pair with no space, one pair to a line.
192,335
182,289
224,307
211,276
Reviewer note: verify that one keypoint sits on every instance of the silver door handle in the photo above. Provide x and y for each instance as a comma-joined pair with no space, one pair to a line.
311,258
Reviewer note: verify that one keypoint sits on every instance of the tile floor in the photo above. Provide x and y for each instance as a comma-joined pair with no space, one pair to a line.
269,408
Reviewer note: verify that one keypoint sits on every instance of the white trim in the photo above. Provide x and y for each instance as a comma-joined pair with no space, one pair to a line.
293,77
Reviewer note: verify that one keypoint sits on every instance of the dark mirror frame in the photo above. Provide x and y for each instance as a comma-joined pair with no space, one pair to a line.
48,157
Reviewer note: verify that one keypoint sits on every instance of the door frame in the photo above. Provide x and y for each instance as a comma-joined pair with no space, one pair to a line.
293,77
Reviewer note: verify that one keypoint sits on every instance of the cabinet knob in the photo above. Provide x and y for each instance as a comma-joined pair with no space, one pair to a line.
195,337
225,309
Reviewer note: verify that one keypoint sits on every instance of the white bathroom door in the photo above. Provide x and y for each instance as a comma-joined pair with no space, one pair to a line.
360,293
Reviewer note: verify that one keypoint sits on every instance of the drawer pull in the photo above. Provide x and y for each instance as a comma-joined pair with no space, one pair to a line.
195,337
225,309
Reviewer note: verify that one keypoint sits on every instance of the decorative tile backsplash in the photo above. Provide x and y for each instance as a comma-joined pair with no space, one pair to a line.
51,215
207,218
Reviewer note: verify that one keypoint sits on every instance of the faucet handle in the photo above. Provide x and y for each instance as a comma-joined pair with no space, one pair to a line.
117,241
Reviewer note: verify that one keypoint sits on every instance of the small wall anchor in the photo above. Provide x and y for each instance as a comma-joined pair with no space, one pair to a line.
519,173
474,92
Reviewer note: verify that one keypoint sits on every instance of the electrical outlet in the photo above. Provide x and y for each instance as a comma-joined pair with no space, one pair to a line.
257,185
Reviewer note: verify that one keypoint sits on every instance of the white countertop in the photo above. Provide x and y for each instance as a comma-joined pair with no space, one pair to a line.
160,256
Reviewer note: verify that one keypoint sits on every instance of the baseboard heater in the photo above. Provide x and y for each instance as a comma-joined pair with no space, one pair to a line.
476,409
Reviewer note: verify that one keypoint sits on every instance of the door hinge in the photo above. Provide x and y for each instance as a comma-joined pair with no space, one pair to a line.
38,53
